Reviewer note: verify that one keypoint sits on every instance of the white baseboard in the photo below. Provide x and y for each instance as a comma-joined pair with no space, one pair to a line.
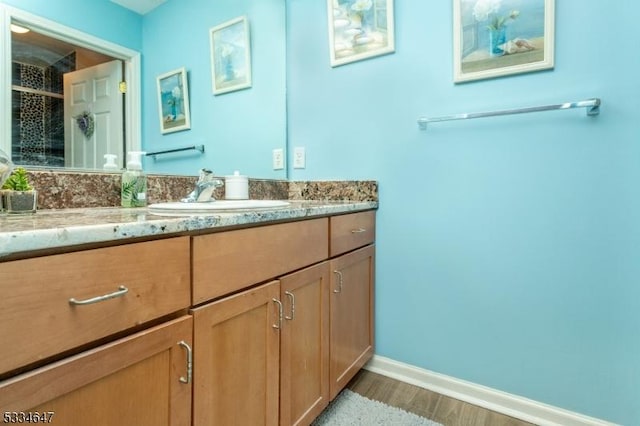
492,399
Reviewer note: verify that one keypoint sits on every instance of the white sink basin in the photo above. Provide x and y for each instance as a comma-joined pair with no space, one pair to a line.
218,206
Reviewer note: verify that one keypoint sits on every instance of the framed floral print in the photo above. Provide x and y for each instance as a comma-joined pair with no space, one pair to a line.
173,101
493,38
359,29
230,56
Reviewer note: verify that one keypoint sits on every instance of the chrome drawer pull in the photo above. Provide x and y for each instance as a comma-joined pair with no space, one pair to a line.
293,306
358,231
122,290
279,324
339,273
189,377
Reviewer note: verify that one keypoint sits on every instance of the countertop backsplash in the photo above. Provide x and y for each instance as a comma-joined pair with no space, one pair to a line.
70,189
338,190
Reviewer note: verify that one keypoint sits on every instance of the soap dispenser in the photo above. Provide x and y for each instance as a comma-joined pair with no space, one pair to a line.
134,182
110,163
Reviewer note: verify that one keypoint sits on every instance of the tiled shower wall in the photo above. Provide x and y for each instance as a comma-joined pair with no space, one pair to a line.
38,120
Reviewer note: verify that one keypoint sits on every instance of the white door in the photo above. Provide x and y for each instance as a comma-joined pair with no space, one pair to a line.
95,91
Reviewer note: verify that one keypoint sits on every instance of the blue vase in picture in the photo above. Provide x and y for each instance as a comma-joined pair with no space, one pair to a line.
497,38
363,20
229,73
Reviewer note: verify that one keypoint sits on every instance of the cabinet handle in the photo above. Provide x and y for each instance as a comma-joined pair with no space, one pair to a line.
122,290
189,377
279,324
340,282
358,231
293,306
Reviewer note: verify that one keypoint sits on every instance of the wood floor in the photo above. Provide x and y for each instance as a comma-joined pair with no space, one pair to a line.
439,408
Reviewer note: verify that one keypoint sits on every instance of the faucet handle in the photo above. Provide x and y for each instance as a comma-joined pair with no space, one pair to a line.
205,175
206,184
205,189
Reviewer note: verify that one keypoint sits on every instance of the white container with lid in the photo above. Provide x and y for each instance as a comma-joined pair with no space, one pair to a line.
236,187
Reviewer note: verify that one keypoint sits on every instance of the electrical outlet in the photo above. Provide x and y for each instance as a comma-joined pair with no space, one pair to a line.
299,159
278,159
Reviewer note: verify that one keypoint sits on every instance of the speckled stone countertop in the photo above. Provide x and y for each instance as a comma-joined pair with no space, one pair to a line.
51,229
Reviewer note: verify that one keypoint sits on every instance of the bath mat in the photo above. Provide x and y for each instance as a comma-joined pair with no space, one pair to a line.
352,409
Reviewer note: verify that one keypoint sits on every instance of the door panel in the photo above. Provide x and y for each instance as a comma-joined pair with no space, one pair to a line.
351,315
94,90
236,359
304,345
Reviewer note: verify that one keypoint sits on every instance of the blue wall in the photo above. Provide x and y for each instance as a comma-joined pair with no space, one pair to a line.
507,249
239,129
103,18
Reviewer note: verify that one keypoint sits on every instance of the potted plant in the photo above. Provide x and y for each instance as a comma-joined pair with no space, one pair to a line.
18,195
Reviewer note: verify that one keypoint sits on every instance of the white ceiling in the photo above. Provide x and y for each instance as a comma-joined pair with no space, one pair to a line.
140,6
39,50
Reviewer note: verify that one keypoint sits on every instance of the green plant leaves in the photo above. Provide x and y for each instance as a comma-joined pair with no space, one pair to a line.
18,180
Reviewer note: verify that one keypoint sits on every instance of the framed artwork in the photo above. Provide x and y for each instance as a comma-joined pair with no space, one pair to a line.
359,29
493,38
230,56
173,101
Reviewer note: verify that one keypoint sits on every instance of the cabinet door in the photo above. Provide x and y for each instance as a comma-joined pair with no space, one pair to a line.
304,345
236,359
351,302
138,380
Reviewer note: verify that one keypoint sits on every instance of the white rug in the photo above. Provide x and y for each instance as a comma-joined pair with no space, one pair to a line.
352,409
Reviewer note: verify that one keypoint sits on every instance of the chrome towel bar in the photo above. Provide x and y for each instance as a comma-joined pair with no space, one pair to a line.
592,106
168,151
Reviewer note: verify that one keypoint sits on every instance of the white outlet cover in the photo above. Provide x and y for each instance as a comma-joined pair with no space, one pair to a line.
278,159
299,158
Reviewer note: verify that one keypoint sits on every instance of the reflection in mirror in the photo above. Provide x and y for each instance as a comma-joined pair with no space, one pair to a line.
47,75
239,130
65,109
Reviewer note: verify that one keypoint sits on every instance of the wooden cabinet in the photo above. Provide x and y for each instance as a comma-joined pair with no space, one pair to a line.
281,318
351,296
351,231
236,358
262,355
304,345
225,262
278,353
351,336
139,380
50,305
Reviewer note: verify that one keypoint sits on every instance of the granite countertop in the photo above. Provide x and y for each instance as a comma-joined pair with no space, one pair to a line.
50,229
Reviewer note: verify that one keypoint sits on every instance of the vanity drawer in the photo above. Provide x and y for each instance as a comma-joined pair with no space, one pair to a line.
38,318
226,262
351,231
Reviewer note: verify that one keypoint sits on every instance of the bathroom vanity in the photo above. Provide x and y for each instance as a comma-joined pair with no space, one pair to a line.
233,318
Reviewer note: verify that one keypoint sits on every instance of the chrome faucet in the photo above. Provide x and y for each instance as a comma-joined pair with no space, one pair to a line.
203,192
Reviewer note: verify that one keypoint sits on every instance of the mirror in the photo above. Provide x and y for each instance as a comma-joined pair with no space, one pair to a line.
239,130
37,130
43,70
